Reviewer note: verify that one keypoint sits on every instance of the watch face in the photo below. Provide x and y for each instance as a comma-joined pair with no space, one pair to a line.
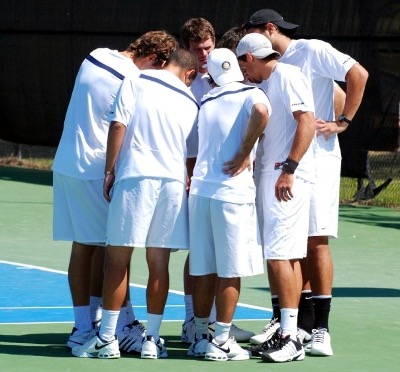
344,118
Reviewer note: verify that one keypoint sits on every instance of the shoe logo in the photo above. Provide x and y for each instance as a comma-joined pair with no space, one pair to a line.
99,347
292,316
308,298
228,350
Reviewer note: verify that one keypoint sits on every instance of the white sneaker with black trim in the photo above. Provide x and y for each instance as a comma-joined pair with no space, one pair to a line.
97,348
152,349
188,331
230,350
198,347
284,349
268,331
305,339
240,334
321,343
130,340
77,338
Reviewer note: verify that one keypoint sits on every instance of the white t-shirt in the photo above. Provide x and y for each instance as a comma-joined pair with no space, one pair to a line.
321,64
164,116
288,91
82,148
223,120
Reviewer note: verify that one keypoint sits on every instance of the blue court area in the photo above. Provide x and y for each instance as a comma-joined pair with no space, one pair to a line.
30,294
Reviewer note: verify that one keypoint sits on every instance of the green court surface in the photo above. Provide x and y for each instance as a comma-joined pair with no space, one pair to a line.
365,317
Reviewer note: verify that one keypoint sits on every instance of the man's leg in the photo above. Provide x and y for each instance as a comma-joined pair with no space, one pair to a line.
287,278
321,279
105,343
96,284
79,283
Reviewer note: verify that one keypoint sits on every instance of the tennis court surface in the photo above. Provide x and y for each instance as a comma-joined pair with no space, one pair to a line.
36,313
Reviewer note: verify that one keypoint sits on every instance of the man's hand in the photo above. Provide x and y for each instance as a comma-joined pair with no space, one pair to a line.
107,185
327,128
237,165
283,187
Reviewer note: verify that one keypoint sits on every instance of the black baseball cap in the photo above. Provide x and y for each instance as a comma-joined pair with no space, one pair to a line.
263,16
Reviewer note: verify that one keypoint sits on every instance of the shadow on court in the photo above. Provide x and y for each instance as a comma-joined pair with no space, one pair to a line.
369,216
27,175
40,344
360,292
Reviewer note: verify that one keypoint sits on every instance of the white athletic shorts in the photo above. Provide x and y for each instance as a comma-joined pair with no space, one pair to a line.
148,212
324,208
79,210
224,238
283,225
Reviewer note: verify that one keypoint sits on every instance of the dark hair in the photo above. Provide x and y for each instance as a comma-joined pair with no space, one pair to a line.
185,59
196,29
230,39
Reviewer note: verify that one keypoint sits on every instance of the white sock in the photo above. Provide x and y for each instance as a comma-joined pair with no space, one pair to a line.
213,312
108,325
289,322
153,325
188,307
222,332
83,320
201,326
121,323
95,308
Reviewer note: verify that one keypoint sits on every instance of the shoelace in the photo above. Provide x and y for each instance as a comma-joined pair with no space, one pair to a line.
318,336
270,325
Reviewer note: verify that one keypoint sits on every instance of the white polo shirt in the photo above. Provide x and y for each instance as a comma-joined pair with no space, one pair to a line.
223,119
288,91
164,117
82,148
321,64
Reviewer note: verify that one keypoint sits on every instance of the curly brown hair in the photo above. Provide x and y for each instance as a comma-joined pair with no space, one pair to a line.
160,43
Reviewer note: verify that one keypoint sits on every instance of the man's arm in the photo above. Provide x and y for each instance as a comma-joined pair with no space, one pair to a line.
356,79
115,138
302,140
257,122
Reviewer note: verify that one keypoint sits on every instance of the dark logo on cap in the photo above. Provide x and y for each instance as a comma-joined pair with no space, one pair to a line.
226,65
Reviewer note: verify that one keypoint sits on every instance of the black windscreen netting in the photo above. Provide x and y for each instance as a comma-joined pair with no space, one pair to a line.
44,42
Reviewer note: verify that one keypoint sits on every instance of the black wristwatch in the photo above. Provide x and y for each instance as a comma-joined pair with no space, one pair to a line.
344,118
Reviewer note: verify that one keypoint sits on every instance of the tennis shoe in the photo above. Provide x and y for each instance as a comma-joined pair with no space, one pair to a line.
305,339
138,328
188,331
240,334
266,333
77,338
130,340
198,347
321,343
285,349
230,350
97,348
152,349
257,350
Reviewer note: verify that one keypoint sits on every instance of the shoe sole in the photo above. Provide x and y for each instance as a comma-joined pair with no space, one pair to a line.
296,358
320,353
99,356
220,358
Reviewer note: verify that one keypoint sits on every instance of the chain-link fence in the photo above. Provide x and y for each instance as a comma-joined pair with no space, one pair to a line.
381,188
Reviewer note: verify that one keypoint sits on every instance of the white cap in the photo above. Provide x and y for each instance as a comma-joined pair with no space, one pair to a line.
223,66
256,44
